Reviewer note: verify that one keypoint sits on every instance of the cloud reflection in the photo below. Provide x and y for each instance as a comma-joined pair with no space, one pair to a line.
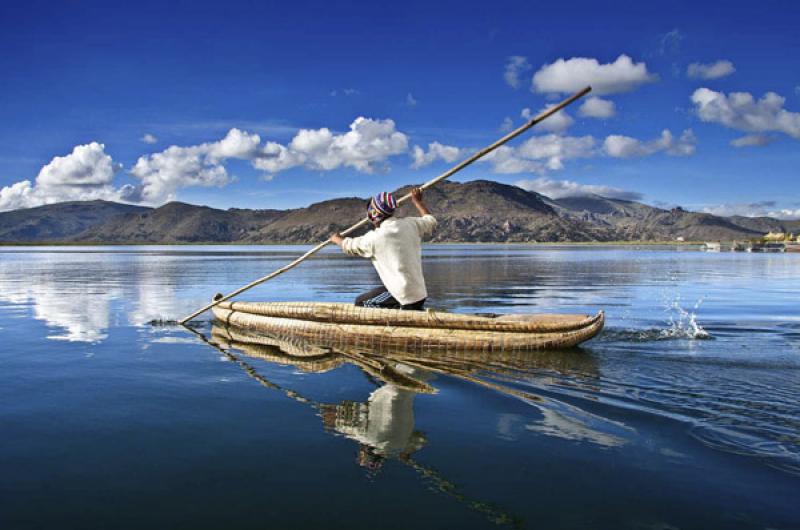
81,313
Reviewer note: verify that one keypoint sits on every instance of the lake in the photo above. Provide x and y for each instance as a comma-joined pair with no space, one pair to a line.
683,414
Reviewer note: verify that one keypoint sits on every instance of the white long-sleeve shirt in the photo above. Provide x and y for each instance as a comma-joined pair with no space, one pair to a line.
395,248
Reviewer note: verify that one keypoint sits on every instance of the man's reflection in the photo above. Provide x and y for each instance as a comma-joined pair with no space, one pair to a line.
383,426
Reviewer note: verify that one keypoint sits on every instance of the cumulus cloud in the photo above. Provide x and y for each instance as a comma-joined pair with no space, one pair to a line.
162,174
541,153
753,209
436,151
711,70
618,146
623,75
84,174
516,65
752,140
597,108
149,139
741,111
507,124
558,122
557,189
365,147
549,152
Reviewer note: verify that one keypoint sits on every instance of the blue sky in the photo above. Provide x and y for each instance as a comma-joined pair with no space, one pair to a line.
83,84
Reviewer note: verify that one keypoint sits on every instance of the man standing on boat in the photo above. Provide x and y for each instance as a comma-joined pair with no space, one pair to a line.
395,249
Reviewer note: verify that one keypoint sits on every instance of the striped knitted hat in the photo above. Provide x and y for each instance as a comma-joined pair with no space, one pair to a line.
381,206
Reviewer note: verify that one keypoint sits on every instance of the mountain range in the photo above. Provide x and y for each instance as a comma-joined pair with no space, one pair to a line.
476,211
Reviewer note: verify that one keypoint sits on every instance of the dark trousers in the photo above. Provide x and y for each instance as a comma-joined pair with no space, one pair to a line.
380,297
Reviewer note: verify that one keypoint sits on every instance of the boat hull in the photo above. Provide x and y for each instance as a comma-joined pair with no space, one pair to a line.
341,326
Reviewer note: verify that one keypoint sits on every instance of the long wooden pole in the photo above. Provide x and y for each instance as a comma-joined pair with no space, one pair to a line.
458,167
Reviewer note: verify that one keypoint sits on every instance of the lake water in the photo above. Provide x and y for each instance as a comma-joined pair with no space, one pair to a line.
683,414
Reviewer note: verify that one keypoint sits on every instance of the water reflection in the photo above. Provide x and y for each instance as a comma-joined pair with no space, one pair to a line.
80,312
384,424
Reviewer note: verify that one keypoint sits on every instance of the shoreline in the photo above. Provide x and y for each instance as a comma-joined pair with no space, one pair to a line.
275,244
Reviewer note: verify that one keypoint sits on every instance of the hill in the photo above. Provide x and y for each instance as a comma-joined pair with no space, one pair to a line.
476,211
60,221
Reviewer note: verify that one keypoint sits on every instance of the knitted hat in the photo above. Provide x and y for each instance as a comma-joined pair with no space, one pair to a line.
381,206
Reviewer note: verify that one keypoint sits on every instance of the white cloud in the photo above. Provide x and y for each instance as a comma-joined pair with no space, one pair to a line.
18,195
623,75
507,124
87,165
557,189
149,139
85,174
597,108
753,209
541,153
436,151
618,146
516,65
365,147
752,140
786,213
236,144
410,100
711,70
558,122
162,174
741,111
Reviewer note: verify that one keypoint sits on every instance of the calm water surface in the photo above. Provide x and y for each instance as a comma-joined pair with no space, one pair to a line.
683,414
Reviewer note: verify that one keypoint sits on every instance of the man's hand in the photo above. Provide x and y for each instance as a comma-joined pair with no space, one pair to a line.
416,198
337,238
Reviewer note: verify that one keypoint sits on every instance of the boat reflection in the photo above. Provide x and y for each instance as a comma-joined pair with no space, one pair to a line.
383,426
385,421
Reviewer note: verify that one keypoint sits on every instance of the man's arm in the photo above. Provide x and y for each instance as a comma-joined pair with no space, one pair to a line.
426,223
354,246
416,198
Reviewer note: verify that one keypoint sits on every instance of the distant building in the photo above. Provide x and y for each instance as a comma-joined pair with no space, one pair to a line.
775,236
680,238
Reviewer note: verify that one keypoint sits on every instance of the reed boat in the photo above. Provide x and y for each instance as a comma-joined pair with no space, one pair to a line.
338,325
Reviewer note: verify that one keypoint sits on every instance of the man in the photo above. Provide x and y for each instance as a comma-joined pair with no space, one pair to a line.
395,248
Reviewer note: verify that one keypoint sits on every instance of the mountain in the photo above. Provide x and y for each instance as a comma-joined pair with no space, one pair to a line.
633,221
476,211
178,222
61,221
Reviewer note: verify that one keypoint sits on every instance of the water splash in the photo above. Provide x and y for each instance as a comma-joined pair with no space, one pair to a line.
683,323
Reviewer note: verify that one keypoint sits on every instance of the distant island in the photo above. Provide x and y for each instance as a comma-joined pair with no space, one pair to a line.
476,211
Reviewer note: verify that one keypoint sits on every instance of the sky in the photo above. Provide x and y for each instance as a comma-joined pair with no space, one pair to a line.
279,105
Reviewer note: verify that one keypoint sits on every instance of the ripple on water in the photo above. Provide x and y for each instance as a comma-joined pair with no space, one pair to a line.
737,411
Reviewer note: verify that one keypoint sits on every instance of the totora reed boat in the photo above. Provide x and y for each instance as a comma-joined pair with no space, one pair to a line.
338,325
